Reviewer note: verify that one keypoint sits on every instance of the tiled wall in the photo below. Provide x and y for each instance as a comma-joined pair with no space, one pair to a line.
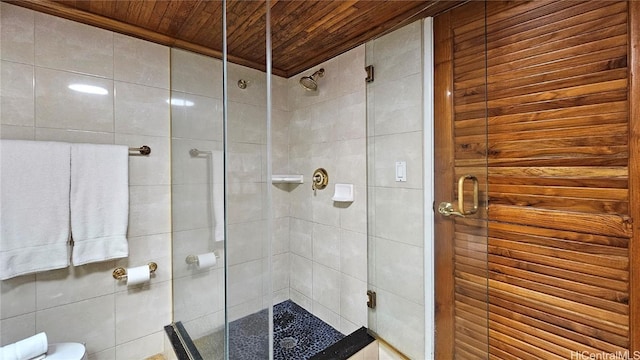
196,111
41,55
396,226
328,241
197,82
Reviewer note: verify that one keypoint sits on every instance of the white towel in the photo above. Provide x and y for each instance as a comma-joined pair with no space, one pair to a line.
29,348
99,202
34,211
217,194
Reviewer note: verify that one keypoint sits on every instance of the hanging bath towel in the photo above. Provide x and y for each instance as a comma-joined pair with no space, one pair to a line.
34,211
99,202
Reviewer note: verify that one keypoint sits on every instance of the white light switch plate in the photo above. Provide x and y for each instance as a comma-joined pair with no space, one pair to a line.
401,171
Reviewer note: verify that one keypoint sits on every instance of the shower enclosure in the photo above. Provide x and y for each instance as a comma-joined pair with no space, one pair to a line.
281,270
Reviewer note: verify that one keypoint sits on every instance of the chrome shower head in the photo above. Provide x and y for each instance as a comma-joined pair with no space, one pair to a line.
309,82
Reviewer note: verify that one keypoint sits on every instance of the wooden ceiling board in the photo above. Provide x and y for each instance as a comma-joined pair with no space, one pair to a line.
304,33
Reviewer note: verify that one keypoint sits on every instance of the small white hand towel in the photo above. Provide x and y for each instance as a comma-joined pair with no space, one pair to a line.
34,206
99,202
29,348
217,194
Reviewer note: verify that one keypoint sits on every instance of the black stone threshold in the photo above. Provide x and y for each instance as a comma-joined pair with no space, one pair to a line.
176,332
342,350
346,347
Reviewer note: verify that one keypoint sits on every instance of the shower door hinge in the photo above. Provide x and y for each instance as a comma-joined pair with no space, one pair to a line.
369,70
371,295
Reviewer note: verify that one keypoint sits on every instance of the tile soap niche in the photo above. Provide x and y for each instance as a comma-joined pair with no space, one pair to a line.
343,193
287,179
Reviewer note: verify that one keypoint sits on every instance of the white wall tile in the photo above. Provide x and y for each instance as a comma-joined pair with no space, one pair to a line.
353,254
255,93
141,311
398,54
201,169
153,169
145,249
193,242
353,300
245,162
200,119
67,45
141,348
247,123
353,216
17,132
191,207
141,110
140,62
84,321
402,323
347,327
16,94
196,74
281,266
399,215
245,241
17,28
326,246
301,279
326,287
244,202
18,296
109,354
301,235
327,315
399,99
389,149
74,136
91,112
304,301
280,242
74,283
17,328
400,270
245,282
149,210
208,286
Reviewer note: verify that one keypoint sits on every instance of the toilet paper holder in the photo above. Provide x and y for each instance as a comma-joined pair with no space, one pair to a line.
121,273
193,259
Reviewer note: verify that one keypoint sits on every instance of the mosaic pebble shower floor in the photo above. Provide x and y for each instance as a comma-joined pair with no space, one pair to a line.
298,335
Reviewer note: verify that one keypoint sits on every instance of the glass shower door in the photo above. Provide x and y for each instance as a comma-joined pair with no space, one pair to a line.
460,178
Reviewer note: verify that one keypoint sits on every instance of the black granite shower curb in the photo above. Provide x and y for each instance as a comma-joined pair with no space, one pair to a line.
346,347
178,346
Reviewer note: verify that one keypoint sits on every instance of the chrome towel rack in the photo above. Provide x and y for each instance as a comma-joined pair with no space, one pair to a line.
142,150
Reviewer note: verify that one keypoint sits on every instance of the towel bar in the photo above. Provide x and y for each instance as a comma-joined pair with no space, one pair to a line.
143,150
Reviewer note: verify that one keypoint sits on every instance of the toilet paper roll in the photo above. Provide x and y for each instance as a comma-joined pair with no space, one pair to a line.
138,275
206,260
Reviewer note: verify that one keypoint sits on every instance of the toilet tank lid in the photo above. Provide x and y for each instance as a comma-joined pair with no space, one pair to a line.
65,351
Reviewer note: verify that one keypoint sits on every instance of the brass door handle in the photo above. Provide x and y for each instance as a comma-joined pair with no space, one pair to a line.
446,208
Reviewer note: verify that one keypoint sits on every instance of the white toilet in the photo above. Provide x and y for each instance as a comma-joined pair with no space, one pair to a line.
66,351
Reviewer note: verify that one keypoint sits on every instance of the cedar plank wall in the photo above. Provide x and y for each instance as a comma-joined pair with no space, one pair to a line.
559,228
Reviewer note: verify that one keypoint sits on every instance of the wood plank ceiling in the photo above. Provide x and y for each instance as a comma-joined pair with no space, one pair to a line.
304,33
